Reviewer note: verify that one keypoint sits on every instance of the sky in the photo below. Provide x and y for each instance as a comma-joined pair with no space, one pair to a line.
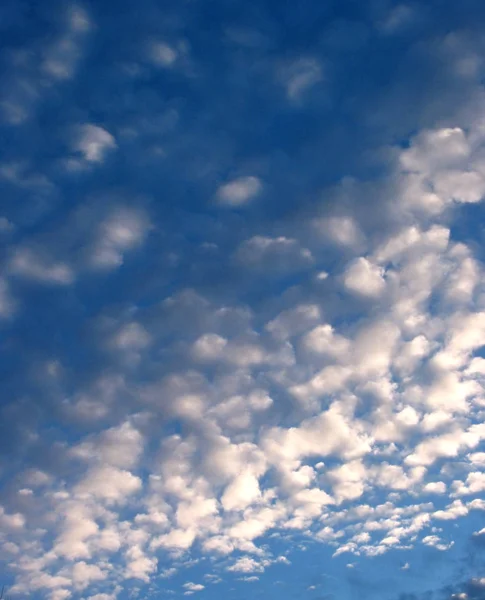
242,299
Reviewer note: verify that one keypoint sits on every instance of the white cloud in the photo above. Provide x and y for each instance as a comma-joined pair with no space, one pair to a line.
93,143
324,340
121,232
453,511
109,483
246,564
28,263
474,484
240,191
435,487
11,521
445,445
343,231
477,458
294,321
436,542
293,417
83,574
460,186
193,587
364,278
209,347
436,149
241,492
139,565
326,434
119,446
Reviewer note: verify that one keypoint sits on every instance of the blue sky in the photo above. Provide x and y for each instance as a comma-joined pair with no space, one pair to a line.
242,300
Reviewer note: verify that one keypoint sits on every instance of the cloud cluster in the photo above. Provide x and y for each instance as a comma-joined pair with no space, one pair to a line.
387,399
198,389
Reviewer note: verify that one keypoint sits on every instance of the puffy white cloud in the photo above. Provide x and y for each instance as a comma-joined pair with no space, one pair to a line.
93,143
193,587
294,416
122,231
109,483
240,191
209,347
477,458
435,487
83,574
242,491
11,521
176,539
343,231
78,527
326,434
246,564
348,480
118,446
436,149
294,321
445,445
436,542
411,354
453,511
139,565
460,186
364,278
474,484
323,340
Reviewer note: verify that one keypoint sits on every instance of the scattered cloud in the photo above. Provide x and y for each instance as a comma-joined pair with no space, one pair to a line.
93,143
195,395
239,191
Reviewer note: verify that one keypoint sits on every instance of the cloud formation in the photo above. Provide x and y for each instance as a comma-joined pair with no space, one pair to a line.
242,342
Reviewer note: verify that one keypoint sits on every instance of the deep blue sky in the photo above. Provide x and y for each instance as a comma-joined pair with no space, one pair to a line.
242,301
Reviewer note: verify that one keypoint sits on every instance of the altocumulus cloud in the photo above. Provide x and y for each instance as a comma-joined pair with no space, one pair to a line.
242,310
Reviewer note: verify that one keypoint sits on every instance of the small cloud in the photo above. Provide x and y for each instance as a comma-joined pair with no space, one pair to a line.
30,265
274,254
167,573
162,55
93,142
343,231
436,542
240,191
364,278
246,564
121,232
300,76
208,347
193,587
